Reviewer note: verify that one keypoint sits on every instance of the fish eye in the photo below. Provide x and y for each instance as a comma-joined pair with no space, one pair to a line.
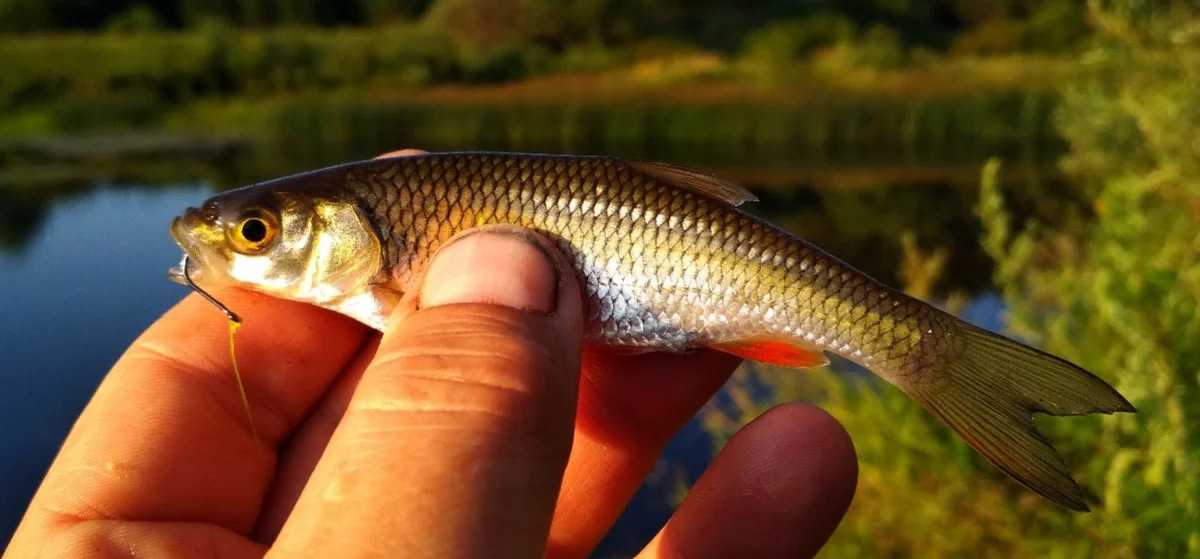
254,232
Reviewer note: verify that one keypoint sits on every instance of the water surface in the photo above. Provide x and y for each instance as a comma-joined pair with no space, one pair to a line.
88,281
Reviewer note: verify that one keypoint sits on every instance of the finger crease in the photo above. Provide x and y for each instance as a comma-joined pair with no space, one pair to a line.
225,395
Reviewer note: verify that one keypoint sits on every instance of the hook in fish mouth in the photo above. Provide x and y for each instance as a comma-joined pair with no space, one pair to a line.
176,273
181,274
179,232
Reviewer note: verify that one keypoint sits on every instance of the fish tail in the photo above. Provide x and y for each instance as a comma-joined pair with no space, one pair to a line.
988,393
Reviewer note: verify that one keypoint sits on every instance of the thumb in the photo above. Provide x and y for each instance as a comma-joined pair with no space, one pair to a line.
456,438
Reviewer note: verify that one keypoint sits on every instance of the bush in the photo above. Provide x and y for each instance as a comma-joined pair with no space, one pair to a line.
217,60
789,41
1125,275
991,37
136,19
1112,284
880,47
1056,25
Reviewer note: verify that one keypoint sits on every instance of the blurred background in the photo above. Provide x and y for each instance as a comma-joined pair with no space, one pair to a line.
1032,166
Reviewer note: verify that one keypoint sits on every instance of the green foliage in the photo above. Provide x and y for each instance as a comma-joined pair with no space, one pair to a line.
879,47
138,18
991,37
1111,283
788,41
559,24
1051,26
216,60
1125,276
779,45
1056,25
168,53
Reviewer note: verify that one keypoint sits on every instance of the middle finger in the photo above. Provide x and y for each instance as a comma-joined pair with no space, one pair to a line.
304,448
629,407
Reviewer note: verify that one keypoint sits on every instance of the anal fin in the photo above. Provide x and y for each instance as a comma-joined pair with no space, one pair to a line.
775,351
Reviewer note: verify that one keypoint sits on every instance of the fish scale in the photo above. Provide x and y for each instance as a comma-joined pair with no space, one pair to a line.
755,270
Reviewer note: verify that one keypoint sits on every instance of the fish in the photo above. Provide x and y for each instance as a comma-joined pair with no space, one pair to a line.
668,261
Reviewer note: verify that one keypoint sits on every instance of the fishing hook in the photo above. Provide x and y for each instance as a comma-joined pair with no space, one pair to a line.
183,265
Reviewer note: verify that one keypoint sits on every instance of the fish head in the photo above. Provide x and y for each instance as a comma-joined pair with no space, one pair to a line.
303,246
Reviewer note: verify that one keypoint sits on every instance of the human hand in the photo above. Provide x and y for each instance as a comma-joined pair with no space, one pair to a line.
451,436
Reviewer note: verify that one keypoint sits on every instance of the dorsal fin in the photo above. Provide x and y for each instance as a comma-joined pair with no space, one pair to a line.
695,181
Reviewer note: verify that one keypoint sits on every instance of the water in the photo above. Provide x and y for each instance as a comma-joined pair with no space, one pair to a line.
87,283
82,271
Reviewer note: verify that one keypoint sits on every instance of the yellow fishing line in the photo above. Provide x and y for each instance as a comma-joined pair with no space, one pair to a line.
234,325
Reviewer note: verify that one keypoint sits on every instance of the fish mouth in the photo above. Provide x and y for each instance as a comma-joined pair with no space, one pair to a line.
180,226
175,274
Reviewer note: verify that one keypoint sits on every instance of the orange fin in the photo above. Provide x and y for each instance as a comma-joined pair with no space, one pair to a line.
775,351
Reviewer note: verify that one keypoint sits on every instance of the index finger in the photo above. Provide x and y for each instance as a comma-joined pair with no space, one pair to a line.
165,437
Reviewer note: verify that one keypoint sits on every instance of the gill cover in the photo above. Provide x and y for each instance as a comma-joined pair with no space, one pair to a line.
343,253
311,248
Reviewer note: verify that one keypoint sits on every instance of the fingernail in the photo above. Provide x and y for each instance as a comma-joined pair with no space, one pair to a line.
506,268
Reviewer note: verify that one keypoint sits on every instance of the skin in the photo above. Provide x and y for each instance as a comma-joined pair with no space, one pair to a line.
478,425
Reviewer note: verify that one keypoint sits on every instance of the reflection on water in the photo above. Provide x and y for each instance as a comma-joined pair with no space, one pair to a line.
74,297
83,260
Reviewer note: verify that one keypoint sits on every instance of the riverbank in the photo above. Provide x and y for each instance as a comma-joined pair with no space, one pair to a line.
425,89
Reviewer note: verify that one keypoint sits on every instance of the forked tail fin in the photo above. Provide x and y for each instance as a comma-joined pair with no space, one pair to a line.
989,393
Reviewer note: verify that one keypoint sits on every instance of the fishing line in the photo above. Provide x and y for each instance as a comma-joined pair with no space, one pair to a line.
235,323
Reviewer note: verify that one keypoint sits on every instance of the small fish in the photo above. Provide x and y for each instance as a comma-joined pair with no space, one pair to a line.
668,263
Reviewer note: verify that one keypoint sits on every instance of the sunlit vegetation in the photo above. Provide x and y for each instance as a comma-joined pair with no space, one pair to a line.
1113,284
122,64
